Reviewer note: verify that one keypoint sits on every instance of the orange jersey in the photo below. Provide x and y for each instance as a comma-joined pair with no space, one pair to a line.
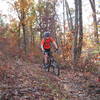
47,42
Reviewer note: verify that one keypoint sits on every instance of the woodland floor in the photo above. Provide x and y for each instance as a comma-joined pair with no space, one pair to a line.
24,80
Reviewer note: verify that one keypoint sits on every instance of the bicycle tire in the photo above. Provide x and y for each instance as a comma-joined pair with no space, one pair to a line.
56,68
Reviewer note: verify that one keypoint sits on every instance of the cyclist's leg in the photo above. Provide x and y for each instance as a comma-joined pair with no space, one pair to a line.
45,57
46,54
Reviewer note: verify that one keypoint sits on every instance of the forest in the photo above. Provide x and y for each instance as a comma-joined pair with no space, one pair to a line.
75,27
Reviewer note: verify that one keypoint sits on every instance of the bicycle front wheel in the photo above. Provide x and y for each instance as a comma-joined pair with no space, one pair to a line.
56,68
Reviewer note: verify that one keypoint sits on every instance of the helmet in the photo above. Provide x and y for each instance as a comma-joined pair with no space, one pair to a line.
46,34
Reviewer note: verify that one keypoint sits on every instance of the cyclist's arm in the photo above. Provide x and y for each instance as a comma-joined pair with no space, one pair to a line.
54,43
42,42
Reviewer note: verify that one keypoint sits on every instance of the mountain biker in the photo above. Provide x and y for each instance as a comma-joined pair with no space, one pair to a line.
46,46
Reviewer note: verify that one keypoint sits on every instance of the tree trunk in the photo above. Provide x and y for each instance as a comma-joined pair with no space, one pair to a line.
19,27
24,35
63,42
96,38
22,20
64,16
69,18
80,29
78,35
75,34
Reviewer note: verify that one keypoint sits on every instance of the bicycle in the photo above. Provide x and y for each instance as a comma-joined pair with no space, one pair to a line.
52,63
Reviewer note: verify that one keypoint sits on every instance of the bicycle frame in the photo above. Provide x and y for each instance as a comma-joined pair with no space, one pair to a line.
52,63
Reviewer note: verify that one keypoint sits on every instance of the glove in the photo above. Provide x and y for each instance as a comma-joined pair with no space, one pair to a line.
43,51
56,50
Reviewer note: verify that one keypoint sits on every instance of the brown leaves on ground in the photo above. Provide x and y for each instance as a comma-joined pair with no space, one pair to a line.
80,85
22,78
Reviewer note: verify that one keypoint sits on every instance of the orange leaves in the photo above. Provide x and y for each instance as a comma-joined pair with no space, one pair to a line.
23,9
23,5
29,20
13,41
68,46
